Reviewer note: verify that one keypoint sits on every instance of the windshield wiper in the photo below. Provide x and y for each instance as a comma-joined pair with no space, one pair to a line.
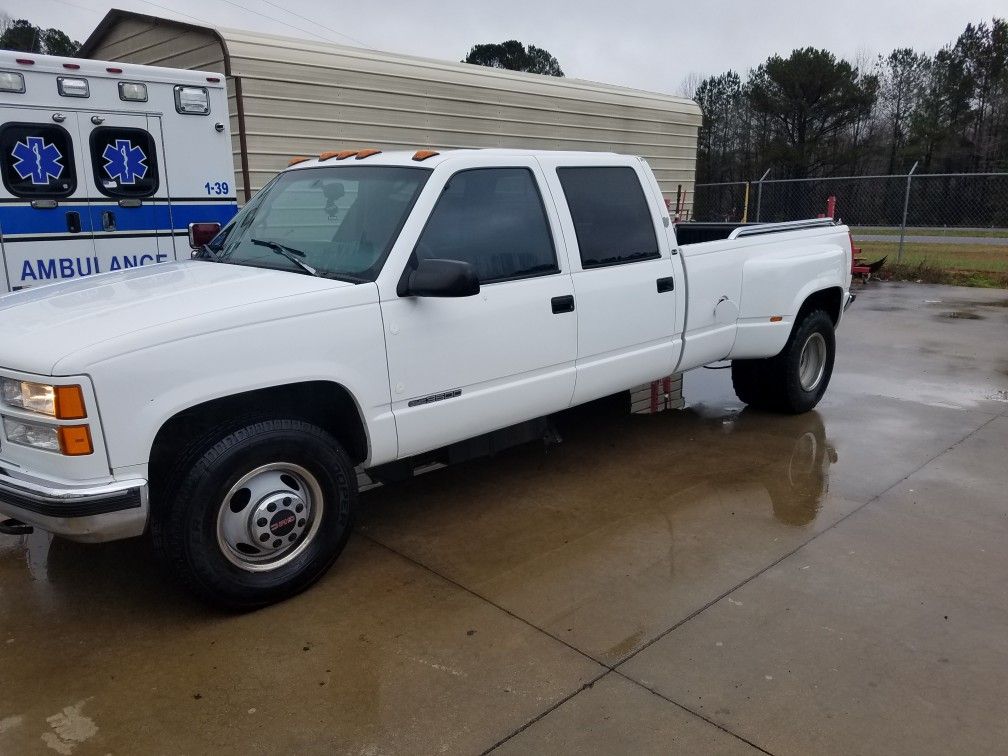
204,250
289,253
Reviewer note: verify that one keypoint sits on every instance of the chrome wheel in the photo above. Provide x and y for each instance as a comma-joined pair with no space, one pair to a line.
269,516
802,464
812,363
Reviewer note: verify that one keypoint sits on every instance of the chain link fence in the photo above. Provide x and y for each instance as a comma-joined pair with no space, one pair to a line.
964,215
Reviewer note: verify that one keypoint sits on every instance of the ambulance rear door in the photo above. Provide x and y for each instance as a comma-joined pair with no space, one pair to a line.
129,211
45,216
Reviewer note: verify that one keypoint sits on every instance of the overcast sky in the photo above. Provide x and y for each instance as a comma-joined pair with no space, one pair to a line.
646,44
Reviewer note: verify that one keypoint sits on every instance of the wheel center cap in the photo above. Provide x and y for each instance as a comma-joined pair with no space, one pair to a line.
282,523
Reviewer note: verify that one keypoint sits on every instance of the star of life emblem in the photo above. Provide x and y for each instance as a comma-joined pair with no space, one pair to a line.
124,161
37,160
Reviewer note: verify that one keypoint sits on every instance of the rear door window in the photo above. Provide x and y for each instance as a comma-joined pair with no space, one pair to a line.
124,162
611,216
38,160
493,219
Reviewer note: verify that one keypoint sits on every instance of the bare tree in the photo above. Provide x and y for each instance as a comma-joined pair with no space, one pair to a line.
688,86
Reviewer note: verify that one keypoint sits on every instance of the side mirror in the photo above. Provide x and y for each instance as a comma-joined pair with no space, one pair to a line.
202,233
439,278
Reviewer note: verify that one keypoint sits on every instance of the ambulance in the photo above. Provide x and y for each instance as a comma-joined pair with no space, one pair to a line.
107,166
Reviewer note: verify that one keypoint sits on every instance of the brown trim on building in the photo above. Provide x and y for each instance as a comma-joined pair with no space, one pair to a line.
242,144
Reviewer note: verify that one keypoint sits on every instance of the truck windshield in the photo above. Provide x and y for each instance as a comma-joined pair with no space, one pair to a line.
341,220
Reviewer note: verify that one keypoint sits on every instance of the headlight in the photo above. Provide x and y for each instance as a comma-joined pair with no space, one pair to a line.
63,402
36,435
70,440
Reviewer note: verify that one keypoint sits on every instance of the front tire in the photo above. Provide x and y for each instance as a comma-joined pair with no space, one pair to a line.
256,513
795,380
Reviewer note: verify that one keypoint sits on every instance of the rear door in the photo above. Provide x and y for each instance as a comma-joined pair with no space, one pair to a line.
45,222
624,280
129,211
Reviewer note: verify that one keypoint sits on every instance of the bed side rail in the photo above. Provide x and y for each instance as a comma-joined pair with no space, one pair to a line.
774,228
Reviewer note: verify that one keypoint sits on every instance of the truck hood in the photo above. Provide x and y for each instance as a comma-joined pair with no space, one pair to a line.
42,326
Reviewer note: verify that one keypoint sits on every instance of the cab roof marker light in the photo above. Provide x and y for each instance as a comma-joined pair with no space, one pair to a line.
366,153
72,87
72,66
12,82
424,154
112,69
296,160
338,154
25,61
213,79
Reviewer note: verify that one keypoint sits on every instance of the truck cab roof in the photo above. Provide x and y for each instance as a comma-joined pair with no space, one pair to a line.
432,158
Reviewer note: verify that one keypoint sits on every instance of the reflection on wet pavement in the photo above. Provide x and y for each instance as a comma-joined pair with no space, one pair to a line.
624,528
480,599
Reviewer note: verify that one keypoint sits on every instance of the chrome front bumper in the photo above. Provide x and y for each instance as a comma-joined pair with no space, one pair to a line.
104,512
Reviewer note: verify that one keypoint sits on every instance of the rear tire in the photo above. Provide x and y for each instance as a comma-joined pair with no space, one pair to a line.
795,380
257,512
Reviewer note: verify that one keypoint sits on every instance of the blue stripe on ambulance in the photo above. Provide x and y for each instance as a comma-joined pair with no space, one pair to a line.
24,219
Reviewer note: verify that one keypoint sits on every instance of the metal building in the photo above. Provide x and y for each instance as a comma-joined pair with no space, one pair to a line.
294,97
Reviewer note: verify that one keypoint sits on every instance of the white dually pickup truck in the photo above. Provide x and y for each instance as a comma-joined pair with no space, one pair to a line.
381,311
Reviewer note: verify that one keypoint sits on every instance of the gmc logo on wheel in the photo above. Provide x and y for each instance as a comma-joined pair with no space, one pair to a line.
280,524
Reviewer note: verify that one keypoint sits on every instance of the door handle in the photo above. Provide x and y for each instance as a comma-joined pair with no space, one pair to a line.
73,222
562,304
108,222
666,284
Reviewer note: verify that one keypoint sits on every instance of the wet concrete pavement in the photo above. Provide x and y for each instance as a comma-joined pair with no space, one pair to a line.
712,580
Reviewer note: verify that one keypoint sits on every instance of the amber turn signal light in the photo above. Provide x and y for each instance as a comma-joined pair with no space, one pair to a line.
70,403
75,440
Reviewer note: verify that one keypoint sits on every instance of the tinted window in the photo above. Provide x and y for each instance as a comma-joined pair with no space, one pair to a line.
38,160
343,219
493,219
124,162
611,215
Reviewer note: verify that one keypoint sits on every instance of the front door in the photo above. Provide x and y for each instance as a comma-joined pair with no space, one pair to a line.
462,367
45,221
130,211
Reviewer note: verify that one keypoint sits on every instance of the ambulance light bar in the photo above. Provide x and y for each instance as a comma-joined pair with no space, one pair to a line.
72,87
12,82
132,91
192,100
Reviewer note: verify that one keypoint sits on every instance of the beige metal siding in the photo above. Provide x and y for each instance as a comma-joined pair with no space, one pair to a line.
167,44
302,98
